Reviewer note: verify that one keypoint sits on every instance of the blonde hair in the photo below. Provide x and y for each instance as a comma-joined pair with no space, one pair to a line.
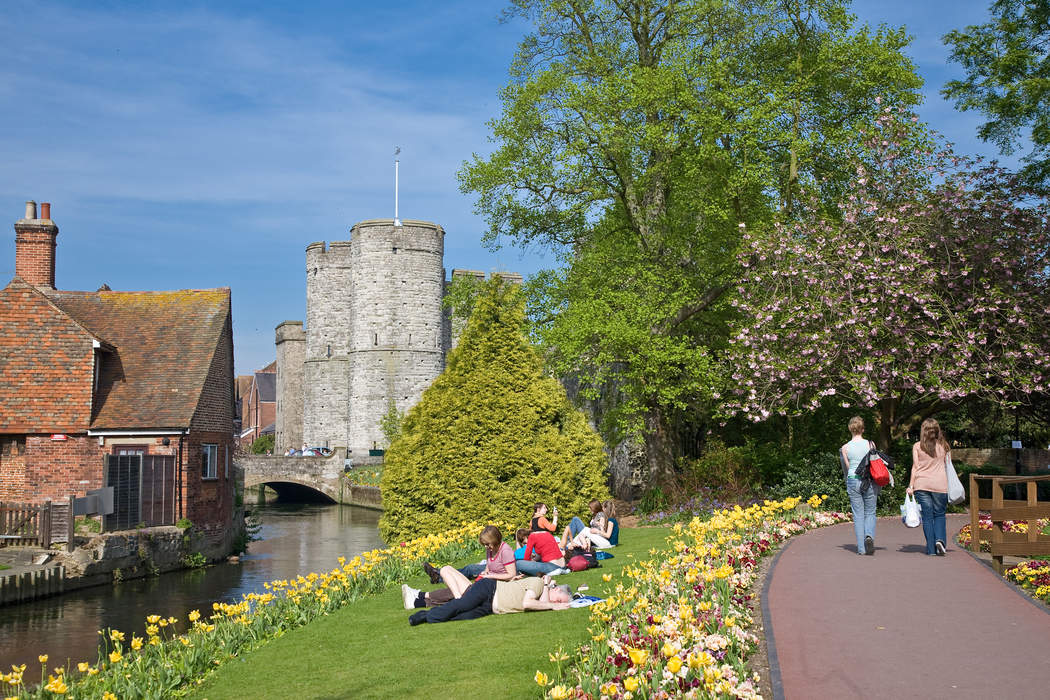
856,425
490,537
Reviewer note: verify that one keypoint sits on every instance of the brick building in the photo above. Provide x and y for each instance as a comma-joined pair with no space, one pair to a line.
257,401
86,375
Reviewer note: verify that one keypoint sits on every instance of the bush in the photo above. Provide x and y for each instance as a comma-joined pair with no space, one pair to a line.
491,436
729,471
822,475
262,445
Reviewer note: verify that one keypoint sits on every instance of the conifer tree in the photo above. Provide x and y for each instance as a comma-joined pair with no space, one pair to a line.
491,436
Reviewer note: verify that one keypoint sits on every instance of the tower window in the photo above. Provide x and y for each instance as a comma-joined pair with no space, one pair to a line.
375,339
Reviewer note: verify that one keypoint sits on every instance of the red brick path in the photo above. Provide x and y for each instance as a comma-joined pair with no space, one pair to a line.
900,624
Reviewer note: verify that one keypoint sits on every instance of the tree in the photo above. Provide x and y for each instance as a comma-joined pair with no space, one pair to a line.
930,289
262,445
634,138
491,436
1008,79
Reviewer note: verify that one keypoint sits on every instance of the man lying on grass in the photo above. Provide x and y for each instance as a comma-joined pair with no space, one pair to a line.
491,597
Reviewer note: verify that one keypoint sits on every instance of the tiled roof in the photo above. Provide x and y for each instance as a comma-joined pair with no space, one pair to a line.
164,341
46,364
266,385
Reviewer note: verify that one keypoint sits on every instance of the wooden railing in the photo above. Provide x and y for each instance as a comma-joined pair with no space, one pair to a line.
1022,544
25,525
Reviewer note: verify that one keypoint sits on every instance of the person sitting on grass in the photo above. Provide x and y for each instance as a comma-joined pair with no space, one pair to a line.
543,544
539,519
614,524
499,559
489,596
577,534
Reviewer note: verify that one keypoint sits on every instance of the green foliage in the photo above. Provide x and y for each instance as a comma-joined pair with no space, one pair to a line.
262,445
88,524
634,139
390,423
249,533
728,471
491,436
1008,79
822,475
184,523
654,499
196,560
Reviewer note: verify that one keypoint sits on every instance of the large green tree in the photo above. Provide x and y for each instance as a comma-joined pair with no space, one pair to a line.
1007,63
491,436
635,138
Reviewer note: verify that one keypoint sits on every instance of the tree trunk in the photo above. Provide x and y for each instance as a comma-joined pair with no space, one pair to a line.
887,416
659,454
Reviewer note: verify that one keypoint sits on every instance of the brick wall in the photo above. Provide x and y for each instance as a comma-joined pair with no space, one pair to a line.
1032,460
54,469
35,251
13,483
209,502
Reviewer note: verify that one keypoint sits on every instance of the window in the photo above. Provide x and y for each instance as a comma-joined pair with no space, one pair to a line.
12,445
209,461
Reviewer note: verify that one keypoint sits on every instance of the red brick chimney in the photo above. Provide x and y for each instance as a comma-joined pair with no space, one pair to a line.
35,246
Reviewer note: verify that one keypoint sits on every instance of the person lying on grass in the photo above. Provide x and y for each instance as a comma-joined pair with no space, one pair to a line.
499,559
491,597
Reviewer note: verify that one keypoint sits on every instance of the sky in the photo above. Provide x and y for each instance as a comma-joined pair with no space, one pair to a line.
188,145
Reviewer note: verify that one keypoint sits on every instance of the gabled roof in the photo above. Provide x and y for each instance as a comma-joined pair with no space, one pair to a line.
164,341
46,364
266,386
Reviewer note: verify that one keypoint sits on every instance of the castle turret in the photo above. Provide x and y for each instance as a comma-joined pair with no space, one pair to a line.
396,340
291,353
329,314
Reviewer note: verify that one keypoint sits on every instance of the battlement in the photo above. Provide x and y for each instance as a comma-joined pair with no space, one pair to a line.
289,330
334,254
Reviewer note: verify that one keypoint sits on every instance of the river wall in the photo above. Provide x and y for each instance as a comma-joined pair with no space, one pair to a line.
1031,461
116,556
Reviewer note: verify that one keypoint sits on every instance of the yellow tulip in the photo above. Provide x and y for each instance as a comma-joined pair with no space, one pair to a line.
638,657
630,683
674,664
541,678
559,692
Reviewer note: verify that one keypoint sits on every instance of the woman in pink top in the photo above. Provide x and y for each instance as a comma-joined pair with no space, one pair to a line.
929,483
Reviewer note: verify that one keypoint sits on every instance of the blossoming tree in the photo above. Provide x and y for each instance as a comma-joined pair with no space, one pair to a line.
928,287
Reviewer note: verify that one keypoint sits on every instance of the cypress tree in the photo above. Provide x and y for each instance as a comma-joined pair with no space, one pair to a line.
491,436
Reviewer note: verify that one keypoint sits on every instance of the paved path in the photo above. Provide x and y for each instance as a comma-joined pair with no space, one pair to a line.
900,624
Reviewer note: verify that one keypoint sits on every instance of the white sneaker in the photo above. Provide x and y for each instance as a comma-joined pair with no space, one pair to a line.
409,595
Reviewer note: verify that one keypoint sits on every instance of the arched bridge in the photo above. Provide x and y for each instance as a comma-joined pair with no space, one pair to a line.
321,475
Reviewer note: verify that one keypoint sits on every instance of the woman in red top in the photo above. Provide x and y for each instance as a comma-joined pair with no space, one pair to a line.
543,544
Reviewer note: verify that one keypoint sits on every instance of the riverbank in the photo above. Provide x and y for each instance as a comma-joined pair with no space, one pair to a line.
296,538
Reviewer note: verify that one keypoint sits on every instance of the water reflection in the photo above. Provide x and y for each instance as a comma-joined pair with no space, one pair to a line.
296,539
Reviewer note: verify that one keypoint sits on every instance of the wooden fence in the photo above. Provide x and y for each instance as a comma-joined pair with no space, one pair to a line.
25,525
1030,509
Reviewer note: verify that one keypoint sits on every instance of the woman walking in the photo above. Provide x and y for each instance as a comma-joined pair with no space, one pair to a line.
929,484
862,502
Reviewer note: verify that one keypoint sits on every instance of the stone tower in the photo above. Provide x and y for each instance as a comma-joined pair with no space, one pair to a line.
290,341
396,338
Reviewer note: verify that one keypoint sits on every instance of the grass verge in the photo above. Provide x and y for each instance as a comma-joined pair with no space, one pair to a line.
368,649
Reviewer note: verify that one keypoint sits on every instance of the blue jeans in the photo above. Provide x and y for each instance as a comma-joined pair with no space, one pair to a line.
863,506
576,526
535,568
472,571
475,602
933,506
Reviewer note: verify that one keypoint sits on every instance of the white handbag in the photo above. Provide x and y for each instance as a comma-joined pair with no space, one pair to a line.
956,494
911,511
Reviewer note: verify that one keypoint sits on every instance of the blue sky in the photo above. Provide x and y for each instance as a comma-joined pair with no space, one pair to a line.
205,144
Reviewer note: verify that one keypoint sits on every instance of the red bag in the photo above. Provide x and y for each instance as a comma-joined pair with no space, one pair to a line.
577,563
878,469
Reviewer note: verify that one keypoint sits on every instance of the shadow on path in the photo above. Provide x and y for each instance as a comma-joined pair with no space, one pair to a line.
899,624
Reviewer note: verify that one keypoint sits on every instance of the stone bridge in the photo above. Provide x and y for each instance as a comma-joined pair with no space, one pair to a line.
289,476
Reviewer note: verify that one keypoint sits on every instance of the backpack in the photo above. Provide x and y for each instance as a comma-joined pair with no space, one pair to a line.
581,560
875,466
577,563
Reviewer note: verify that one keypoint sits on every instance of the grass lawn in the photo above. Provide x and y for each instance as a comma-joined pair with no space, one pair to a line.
368,649
4,566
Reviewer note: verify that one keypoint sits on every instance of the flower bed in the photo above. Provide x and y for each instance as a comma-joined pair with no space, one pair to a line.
175,654
364,476
678,625
705,502
1033,576
984,522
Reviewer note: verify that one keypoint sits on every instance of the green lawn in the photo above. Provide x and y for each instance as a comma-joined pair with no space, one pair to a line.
4,566
368,649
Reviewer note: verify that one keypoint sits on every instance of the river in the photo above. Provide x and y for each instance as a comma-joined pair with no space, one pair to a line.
295,539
